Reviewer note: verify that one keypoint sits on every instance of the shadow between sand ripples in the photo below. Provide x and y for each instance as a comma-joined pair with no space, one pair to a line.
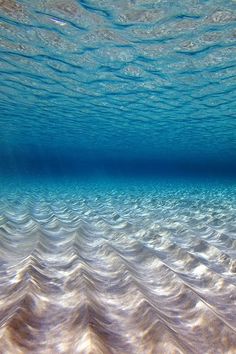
118,272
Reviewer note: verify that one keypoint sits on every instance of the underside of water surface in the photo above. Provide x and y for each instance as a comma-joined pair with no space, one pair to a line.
117,177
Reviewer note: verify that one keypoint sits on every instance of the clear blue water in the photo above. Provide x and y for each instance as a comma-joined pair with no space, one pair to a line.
118,84
117,176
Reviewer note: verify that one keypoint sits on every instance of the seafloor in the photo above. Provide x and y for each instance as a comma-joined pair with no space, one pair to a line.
123,268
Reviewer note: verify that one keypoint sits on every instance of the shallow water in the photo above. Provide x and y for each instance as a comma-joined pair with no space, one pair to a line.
117,177
118,268
117,80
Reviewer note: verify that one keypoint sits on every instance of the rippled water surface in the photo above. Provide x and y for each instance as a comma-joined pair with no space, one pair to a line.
139,78
117,177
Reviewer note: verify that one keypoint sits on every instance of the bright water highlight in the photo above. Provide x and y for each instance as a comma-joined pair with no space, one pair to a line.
117,177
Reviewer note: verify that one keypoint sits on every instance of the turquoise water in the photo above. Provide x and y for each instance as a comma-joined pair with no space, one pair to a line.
103,83
117,177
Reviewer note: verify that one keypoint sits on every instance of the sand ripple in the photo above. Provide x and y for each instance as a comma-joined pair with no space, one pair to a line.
126,270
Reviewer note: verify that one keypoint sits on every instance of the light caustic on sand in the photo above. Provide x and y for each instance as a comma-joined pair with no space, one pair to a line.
119,271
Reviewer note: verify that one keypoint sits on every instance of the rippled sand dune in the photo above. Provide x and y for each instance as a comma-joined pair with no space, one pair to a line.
118,270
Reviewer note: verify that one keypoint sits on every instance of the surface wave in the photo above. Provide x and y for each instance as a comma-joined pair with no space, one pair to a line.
118,79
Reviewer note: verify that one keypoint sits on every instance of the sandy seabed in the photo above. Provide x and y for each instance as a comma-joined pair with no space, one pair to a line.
118,269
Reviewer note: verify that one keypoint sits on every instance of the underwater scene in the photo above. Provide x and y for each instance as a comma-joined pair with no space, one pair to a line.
117,177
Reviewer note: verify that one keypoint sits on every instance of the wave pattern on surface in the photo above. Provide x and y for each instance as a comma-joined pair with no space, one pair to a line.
155,77
118,271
